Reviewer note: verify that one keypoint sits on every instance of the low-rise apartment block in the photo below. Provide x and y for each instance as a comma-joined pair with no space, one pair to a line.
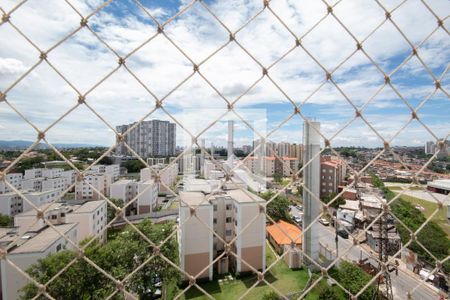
91,217
226,213
97,181
12,203
28,250
127,190
167,175
15,179
91,187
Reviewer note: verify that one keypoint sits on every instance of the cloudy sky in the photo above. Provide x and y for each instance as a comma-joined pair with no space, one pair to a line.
43,95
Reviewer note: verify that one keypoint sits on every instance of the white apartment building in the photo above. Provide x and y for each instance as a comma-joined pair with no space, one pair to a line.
112,170
33,173
47,179
34,184
15,179
84,189
285,166
127,190
28,251
52,172
70,177
206,186
57,183
226,214
211,171
91,217
27,222
167,174
39,198
12,204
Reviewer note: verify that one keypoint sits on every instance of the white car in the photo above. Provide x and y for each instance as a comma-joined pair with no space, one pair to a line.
324,222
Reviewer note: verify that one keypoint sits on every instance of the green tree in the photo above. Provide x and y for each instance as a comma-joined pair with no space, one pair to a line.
111,211
353,278
119,258
277,178
431,235
133,166
29,163
271,296
328,293
339,201
278,209
6,221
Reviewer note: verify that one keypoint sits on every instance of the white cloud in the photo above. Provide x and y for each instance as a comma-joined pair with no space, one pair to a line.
120,99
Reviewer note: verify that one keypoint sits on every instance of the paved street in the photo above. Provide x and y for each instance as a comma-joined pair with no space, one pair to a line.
401,284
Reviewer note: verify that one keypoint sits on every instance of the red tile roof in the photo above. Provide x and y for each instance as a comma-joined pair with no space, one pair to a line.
286,235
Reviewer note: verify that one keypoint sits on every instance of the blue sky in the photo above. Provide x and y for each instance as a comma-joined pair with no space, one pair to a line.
43,96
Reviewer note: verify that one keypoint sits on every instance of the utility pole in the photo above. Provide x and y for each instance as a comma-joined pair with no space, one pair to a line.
384,290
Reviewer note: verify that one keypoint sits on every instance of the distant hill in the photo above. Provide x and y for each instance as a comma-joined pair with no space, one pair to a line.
19,145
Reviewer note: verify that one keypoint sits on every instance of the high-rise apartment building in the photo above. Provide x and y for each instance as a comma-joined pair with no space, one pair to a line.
332,174
149,138
311,204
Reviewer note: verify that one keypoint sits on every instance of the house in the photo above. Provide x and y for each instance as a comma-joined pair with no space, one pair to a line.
284,236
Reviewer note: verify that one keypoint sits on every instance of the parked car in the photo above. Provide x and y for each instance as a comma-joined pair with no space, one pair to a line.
343,234
299,207
324,222
297,220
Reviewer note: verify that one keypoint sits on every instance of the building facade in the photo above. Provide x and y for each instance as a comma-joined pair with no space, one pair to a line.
332,175
149,138
226,214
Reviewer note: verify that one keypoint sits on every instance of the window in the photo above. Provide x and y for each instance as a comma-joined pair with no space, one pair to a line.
228,220
58,247
228,207
54,217
215,207
228,232
215,221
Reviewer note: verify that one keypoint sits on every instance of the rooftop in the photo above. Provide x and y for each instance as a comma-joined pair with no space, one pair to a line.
89,206
47,207
284,233
238,195
242,196
440,183
192,198
44,239
350,205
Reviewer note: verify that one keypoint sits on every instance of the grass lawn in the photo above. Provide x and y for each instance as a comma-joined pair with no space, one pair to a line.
429,207
175,204
283,278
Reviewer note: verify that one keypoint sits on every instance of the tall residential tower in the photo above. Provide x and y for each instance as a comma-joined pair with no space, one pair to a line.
149,138
311,177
